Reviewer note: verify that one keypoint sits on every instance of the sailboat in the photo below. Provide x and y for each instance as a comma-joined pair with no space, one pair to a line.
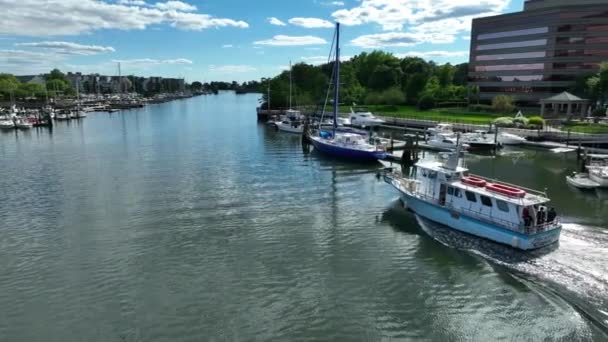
79,113
343,144
292,122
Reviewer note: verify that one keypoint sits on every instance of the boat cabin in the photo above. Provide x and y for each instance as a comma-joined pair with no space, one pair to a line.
508,206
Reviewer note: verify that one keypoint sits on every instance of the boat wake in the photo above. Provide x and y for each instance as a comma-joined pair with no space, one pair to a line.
576,269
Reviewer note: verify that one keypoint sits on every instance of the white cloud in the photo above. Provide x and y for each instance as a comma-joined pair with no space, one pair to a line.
22,62
282,40
133,2
175,5
150,61
466,37
395,14
276,21
311,22
387,39
315,59
231,68
69,48
227,46
333,3
433,54
74,17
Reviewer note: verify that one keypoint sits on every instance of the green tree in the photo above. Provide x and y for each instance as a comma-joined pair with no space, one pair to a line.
415,86
445,75
196,85
461,73
503,103
8,85
27,90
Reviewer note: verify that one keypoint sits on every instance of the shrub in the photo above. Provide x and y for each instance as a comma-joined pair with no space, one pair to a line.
503,103
373,98
426,102
521,120
536,121
504,121
393,96
449,104
480,108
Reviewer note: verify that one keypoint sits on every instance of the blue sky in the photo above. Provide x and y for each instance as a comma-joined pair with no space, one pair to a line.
227,39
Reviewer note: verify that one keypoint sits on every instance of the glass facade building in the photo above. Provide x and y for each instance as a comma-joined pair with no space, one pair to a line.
540,51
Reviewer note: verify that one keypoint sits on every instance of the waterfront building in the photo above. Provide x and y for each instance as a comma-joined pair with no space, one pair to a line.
539,52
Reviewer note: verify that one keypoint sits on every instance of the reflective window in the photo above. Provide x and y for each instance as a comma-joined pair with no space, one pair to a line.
535,54
502,205
575,66
485,200
582,28
525,43
470,196
580,52
537,30
532,66
570,40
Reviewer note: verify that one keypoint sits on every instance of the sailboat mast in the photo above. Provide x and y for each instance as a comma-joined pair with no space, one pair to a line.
290,82
337,78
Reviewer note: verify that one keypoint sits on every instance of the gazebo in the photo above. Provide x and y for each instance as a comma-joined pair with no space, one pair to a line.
564,103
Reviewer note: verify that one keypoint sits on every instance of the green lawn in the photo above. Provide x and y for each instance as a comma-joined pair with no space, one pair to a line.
588,128
452,115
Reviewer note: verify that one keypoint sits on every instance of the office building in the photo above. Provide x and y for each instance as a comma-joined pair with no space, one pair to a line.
539,52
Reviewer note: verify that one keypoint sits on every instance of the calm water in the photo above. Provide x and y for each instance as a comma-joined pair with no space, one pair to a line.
189,221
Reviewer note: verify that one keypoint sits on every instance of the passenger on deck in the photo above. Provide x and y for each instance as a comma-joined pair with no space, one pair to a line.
526,216
540,216
551,215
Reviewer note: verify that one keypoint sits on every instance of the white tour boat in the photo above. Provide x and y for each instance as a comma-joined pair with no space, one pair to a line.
446,193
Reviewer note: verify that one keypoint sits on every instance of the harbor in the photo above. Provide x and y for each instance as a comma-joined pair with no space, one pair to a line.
119,210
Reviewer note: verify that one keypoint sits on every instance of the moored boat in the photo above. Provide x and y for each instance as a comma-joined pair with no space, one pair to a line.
23,124
599,174
340,144
504,213
510,139
7,124
581,181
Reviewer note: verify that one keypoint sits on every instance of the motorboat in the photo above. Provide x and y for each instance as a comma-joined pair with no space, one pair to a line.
23,124
479,140
7,124
63,115
344,122
444,142
344,145
599,174
581,181
364,119
290,126
505,138
446,193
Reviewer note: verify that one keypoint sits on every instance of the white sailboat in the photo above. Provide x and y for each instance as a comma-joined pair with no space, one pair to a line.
293,120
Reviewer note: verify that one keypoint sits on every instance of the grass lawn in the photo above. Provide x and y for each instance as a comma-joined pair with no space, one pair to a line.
451,115
589,128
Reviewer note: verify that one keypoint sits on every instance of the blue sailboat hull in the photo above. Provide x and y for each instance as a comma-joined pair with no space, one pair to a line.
347,153
479,228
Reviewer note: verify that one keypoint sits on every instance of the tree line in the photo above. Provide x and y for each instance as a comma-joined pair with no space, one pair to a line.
373,78
55,83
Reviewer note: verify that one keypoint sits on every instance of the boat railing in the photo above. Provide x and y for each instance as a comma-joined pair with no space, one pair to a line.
496,181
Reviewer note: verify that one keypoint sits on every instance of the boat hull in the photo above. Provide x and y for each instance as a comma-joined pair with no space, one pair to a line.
347,153
472,226
289,128
601,181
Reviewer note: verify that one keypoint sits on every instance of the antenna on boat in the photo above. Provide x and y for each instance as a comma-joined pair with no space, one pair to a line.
452,162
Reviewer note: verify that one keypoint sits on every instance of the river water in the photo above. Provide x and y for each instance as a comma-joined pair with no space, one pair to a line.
190,221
